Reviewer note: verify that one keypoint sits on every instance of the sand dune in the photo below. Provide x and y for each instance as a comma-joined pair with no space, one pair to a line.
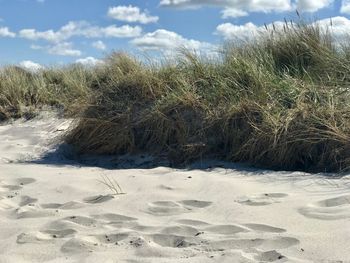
63,213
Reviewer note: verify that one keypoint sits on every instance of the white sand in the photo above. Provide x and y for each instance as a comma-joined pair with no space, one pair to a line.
61,213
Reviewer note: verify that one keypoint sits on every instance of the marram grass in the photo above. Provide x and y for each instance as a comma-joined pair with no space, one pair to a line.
281,102
23,92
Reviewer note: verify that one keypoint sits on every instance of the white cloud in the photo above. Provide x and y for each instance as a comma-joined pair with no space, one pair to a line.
238,32
243,5
338,26
63,49
5,32
30,65
89,61
32,34
36,47
312,5
238,8
233,12
345,7
169,42
247,31
125,31
81,28
99,45
131,14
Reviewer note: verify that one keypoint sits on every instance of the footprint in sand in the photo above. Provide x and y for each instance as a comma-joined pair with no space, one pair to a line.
9,192
58,225
118,221
25,181
6,203
79,245
195,203
142,228
180,230
165,187
33,237
269,256
173,241
264,228
278,242
32,211
17,184
328,209
112,238
12,199
44,236
82,221
192,222
164,208
261,199
114,218
10,203
6,188
225,229
61,233
26,200
65,206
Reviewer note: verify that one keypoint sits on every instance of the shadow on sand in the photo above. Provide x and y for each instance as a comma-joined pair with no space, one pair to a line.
64,154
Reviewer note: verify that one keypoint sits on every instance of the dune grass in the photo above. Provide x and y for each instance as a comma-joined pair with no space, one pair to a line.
280,102
23,92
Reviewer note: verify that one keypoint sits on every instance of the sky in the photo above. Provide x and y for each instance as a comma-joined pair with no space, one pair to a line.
36,33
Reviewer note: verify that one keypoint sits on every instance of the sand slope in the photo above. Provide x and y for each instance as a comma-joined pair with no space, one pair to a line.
61,213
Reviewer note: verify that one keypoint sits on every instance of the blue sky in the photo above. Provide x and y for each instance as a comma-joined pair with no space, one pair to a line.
50,32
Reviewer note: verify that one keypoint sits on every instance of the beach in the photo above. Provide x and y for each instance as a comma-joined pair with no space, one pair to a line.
53,211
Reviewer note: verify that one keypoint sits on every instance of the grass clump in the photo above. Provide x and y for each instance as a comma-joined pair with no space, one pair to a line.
23,92
281,101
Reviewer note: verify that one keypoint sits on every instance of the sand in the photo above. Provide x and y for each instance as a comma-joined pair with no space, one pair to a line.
56,212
